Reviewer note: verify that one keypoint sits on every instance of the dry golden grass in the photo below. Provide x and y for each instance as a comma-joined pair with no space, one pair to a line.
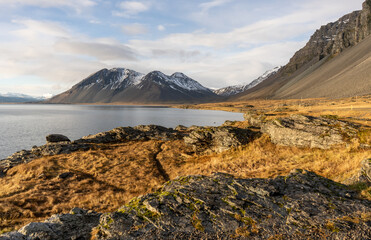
103,180
357,109
263,159
106,178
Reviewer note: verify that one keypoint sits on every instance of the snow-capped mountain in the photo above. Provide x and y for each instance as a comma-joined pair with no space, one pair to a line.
233,90
128,86
18,98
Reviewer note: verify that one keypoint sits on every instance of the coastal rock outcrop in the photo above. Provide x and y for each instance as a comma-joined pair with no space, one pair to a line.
308,131
49,149
60,144
301,205
217,139
141,132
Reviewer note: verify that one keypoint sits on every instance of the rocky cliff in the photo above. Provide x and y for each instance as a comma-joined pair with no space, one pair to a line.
334,63
333,38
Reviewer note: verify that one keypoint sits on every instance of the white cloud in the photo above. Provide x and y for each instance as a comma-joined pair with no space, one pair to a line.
161,28
131,8
134,29
215,3
49,55
76,5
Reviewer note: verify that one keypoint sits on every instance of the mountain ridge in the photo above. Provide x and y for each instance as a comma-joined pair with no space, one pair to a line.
235,89
125,85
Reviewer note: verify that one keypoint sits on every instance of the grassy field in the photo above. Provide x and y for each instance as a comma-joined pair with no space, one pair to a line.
108,177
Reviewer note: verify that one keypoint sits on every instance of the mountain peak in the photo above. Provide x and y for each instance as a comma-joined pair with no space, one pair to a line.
236,89
125,85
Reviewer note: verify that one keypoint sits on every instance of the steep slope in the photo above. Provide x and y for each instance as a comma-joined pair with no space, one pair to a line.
124,85
325,47
233,90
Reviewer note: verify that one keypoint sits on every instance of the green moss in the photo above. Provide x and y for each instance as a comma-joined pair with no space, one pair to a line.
108,223
331,227
140,210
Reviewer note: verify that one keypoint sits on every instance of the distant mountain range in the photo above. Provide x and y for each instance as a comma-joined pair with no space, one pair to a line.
335,63
18,98
233,90
128,86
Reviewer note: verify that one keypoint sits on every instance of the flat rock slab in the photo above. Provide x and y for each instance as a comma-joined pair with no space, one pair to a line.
217,139
308,131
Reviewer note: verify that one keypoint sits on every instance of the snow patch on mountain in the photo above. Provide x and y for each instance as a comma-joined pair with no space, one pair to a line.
236,89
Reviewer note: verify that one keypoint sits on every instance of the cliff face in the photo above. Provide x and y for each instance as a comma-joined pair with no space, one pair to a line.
333,64
333,38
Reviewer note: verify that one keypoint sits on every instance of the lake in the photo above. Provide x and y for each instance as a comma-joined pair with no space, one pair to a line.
25,125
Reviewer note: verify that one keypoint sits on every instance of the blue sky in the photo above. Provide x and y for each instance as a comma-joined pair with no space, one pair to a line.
49,45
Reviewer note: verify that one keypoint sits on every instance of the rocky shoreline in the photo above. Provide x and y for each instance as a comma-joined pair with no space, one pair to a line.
300,205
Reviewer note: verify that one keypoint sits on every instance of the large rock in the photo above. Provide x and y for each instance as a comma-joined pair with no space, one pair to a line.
75,225
301,205
308,131
55,138
217,139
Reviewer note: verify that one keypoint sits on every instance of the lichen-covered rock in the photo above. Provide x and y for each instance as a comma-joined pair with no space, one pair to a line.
308,131
55,138
301,205
217,139
75,225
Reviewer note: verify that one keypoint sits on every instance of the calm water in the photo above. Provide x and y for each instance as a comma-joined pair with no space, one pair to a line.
23,126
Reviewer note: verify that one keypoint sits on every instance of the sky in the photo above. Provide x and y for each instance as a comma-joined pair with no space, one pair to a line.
47,46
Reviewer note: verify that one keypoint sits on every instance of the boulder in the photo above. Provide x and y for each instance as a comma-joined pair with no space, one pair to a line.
308,131
55,138
217,139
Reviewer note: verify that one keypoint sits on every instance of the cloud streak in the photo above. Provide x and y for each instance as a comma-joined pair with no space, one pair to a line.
131,8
